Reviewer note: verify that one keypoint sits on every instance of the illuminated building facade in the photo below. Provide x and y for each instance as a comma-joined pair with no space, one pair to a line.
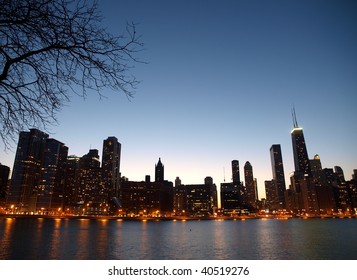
233,194
146,198
91,197
196,199
51,186
302,179
27,170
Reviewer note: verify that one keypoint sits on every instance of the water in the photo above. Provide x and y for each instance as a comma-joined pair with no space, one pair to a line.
255,239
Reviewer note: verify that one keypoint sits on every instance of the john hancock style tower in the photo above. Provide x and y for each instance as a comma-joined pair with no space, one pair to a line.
302,179
301,158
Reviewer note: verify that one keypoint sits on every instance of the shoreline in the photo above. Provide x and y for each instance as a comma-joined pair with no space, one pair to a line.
174,218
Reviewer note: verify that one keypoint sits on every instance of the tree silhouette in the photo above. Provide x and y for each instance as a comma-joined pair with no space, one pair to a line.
50,49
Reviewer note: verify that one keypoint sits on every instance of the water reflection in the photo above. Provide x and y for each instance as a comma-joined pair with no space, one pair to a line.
6,233
54,242
117,239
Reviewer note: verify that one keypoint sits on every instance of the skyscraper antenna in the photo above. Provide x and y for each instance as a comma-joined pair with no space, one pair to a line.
224,174
294,117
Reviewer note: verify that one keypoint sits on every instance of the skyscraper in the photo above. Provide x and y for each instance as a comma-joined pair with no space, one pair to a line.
91,194
27,168
303,179
4,177
233,194
159,171
301,158
111,166
52,184
250,185
316,168
278,174
235,172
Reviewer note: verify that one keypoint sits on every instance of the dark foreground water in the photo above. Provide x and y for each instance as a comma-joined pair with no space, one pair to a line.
255,239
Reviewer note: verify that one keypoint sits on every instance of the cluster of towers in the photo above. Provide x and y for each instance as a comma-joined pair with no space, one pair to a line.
313,190
46,180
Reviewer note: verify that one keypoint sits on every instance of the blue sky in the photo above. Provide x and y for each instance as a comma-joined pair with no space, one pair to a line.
220,82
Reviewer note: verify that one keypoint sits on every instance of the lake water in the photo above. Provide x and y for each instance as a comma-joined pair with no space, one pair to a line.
251,239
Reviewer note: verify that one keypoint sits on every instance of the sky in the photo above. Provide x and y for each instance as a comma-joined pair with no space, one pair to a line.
219,84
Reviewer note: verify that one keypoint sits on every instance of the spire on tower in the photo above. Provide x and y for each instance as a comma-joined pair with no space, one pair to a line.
294,117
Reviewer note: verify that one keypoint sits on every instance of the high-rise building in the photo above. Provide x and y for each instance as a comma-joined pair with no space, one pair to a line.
278,174
303,180
301,158
316,168
354,175
4,177
71,187
91,195
159,171
52,184
178,182
339,173
251,195
233,194
111,170
27,169
235,172
271,194
213,188
38,178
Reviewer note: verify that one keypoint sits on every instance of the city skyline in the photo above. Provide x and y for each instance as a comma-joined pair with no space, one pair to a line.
219,85
50,154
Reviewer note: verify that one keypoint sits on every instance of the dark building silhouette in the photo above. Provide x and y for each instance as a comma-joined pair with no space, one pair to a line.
4,178
352,191
146,197
214,200
27,169
302,180
38,178
178,182
92,198
301,158
235,172
180,200
271,194
159,171
324,184
111,171
232,198
341,190
251,188
71,190
196,199
316,168
52,184
278,177
233,194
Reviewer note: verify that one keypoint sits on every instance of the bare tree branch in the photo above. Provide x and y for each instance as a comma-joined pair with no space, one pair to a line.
50,47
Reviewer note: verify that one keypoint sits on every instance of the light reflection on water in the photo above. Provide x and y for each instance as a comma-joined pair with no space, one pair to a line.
213,239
